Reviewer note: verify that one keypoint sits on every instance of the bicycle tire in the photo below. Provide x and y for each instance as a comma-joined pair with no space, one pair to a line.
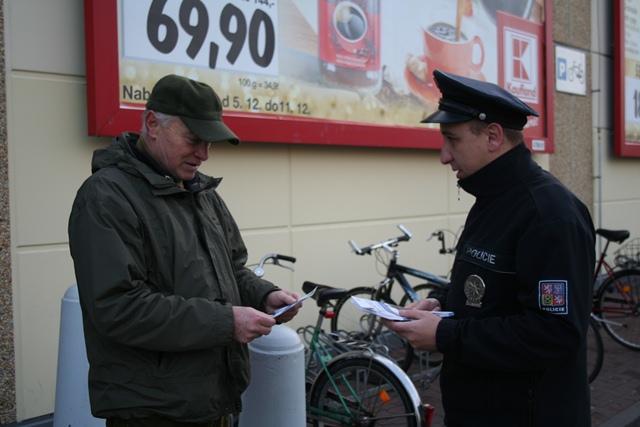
595,350
619,312
373,394
354,323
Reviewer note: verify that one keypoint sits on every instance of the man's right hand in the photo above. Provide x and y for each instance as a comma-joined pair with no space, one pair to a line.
249,324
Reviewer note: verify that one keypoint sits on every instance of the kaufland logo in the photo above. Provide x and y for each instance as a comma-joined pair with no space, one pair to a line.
521,64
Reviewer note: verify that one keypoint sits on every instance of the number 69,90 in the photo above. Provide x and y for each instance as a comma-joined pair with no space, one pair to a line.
236,34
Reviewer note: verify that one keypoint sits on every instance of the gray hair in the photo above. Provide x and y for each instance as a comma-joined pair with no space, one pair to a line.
164,120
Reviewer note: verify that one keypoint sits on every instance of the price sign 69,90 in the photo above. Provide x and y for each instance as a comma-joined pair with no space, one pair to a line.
233,35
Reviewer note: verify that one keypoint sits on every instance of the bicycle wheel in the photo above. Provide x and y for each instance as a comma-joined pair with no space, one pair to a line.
360,392
595,350
617,306
351,322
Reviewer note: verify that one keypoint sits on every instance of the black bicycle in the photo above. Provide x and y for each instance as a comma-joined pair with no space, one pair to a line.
351,321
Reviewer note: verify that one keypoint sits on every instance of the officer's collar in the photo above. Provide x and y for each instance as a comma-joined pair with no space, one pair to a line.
499,175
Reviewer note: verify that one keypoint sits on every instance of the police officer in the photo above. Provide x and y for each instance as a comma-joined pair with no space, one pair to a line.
515,350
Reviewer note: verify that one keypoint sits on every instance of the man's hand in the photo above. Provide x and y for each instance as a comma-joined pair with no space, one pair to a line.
420,331
249,324
282,298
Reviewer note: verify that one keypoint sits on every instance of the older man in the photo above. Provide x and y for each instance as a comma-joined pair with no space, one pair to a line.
168,304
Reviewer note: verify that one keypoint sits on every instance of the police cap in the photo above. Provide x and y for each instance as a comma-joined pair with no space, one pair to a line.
465,99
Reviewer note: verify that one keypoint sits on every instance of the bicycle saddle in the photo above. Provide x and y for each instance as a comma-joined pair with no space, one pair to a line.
324,293
617,236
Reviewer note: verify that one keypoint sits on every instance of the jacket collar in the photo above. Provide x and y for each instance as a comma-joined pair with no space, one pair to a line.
501,174
123,154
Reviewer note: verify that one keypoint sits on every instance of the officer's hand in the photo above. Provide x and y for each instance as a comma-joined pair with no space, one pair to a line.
426,304
249,324
420,331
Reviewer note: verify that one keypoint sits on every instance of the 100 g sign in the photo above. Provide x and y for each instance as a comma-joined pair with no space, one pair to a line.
239,35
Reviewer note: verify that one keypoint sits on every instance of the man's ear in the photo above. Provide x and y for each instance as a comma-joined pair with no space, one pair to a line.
151,123
496,137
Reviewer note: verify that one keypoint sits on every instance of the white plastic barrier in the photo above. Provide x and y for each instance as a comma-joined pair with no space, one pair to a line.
72,394
276,395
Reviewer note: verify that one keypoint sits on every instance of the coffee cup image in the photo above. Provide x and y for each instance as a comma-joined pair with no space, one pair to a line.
445,51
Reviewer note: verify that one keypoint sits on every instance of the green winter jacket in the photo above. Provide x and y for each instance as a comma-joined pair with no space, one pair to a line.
158,269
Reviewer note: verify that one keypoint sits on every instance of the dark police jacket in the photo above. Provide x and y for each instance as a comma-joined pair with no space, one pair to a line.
515,354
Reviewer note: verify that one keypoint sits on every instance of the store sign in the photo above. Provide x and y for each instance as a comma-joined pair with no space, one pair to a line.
339,72
520,71
627,77
571,66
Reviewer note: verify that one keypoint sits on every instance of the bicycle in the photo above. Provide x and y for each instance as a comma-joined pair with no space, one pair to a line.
617,292
348,382
356,324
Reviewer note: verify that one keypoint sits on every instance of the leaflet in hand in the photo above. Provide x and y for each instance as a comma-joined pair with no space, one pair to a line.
387,311
278,312
378,308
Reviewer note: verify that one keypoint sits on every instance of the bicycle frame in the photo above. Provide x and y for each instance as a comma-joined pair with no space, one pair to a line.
397,272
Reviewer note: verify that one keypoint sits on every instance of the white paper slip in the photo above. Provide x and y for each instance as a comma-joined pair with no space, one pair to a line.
387,311
378,308
278,312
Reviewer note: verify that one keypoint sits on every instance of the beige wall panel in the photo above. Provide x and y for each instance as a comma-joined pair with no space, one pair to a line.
620,177
51,40
45,275
338,184
51,155
256,182
262,242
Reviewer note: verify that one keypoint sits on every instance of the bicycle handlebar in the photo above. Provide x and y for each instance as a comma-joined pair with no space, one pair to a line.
259,270
387,244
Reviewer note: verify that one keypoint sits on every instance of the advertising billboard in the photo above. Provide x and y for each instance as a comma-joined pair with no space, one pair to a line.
627,77
335,72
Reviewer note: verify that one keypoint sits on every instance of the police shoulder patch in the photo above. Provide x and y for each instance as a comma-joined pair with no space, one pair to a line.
553,296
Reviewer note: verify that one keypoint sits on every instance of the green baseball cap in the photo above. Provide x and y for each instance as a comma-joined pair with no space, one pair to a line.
195,103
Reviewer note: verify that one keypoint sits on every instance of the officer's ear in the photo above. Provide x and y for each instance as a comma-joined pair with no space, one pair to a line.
496,138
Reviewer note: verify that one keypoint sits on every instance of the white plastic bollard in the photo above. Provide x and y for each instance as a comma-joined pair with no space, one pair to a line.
276,395
72,407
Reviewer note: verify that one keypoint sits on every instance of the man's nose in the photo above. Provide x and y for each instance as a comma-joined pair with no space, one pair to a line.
203,151
445,156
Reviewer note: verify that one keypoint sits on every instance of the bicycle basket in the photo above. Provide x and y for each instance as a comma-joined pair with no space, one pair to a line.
628,255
